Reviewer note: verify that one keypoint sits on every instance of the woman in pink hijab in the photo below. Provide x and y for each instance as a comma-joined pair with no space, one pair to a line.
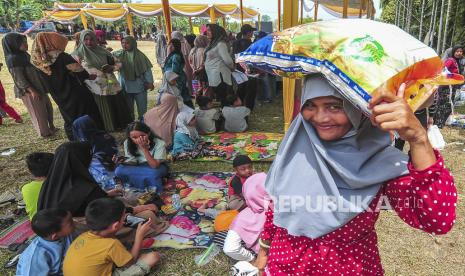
249,223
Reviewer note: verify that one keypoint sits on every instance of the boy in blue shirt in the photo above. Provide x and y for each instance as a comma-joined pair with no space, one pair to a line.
45,254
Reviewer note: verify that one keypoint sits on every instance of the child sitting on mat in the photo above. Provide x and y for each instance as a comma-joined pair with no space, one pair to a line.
38,164
243,169
235,115
242,240
45,254
98,252
143,165
206,116
186,135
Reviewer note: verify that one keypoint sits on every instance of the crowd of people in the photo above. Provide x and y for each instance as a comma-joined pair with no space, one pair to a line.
83,201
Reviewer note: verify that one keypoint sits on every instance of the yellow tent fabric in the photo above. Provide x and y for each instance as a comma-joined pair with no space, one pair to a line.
106,15
145,10
226,9
64,15
335,7
68,6
106,5
190,9
114,11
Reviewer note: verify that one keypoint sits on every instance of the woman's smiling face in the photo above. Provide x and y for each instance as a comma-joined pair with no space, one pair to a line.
327,116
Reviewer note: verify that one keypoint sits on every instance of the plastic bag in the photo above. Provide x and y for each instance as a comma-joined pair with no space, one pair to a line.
359,57
435,137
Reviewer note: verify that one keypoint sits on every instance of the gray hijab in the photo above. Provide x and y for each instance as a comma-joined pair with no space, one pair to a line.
313,170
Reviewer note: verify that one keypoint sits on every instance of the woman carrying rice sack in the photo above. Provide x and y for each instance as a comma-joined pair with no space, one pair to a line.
333,171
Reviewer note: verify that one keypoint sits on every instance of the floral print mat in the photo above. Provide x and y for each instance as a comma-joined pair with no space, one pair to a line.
259,146
188,228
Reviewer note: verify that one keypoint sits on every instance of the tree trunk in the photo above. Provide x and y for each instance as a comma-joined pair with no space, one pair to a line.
441,17
433,22
17,15
446,27
404,16
422,13
409,14
396,18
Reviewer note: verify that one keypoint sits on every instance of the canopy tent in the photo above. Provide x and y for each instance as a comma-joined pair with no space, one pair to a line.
115,11
347,8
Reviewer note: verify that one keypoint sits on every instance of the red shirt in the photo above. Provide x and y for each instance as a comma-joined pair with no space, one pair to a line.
452,66
235,185
353,248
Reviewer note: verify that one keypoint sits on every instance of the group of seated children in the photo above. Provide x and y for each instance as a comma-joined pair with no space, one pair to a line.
209,119
58,249
98,250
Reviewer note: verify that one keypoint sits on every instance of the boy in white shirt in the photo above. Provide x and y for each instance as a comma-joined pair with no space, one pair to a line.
235,115
207,117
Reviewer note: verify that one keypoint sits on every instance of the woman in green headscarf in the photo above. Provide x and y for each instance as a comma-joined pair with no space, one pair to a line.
135,75
106,89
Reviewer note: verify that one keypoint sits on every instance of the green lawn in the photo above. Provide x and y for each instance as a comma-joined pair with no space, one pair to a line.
404,251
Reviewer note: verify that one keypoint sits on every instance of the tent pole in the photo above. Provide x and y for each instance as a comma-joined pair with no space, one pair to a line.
290,18
315,12
301,11
345,8
279,16
212,15
242,12
130,24
84,20
160,25
92,22
167,15
190,25
361,8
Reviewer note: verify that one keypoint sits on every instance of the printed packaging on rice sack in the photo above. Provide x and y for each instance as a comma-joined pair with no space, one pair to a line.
360,57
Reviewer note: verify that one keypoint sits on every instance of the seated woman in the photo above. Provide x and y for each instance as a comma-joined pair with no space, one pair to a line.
162,117
144,159
69,186
104,147
241,242
333,172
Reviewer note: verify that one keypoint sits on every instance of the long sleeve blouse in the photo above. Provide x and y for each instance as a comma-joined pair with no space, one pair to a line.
425,200
219,65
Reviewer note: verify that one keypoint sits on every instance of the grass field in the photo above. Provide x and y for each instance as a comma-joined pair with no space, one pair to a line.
404,250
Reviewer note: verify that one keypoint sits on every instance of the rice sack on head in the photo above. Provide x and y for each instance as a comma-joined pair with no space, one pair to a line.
360,57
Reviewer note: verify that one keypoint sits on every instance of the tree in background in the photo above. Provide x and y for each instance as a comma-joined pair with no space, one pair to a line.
438,23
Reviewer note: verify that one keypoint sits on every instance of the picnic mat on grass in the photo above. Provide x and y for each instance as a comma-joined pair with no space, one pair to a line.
16,233
188,228
259,146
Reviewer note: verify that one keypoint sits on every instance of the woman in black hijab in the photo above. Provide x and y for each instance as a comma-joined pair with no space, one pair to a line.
30,84
69,185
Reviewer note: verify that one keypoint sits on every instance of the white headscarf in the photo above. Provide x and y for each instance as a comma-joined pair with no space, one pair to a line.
182,123
311,169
